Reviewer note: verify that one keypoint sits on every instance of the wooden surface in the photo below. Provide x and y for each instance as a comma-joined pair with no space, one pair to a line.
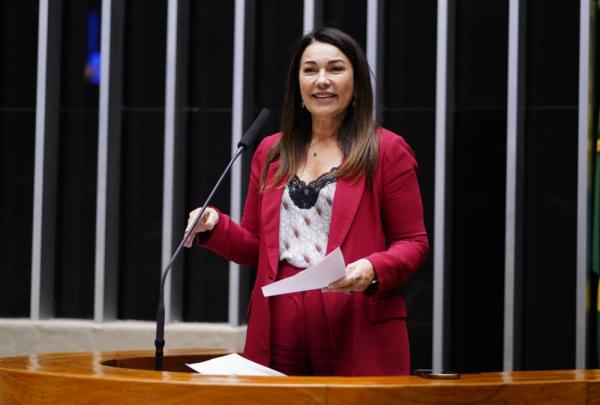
101,378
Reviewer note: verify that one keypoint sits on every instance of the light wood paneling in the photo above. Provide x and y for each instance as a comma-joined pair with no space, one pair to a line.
93,378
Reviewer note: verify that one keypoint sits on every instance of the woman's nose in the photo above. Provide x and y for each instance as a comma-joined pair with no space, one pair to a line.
323,79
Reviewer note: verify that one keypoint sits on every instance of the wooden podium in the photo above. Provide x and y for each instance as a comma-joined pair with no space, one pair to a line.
127,377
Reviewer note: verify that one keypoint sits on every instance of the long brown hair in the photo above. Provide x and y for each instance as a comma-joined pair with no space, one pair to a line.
357,134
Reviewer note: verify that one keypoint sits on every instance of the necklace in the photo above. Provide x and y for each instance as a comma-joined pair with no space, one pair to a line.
314,150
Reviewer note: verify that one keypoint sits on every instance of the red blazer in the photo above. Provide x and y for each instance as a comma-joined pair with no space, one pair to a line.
383,223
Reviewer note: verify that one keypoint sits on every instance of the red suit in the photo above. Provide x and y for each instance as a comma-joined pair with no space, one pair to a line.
383,223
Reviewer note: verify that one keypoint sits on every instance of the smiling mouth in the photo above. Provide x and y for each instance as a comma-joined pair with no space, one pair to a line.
324,95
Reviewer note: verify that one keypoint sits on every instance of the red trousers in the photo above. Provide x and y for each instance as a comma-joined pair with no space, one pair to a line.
300,342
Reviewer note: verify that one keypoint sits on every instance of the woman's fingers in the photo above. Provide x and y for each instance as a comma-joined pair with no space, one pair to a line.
191,217
346,284
209,220
358,278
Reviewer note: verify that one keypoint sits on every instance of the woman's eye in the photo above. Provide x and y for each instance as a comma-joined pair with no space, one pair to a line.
337,68
308,70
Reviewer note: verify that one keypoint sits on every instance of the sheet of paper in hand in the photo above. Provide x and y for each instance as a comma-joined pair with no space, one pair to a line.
328,270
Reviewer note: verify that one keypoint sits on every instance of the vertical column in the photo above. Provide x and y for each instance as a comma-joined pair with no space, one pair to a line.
46,148
237,119
443,136
109,162
585,139
313,15
309,16
169,151
174,159
514,192
374,44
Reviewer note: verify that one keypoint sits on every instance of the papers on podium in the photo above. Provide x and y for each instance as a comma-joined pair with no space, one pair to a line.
233,364
328,270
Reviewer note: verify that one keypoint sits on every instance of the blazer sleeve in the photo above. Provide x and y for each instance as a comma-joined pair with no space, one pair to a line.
240,242
401,216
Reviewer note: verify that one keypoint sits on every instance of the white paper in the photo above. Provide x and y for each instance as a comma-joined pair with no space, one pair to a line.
233,364
328,270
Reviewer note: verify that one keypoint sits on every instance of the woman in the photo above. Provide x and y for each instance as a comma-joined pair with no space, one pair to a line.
330,179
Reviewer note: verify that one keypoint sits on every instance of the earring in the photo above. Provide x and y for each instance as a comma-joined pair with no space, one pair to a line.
354,103
302,104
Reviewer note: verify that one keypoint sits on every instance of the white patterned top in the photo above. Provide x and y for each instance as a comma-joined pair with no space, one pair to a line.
304,220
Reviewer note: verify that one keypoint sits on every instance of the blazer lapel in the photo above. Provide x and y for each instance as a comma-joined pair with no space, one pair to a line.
348,194
271,202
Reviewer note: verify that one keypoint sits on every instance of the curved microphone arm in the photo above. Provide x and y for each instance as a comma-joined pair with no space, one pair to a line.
248,138
159,342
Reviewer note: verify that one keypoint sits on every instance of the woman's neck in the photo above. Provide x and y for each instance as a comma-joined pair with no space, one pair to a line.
325,130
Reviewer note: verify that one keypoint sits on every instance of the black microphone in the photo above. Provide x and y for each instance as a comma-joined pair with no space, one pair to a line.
252,132
248,138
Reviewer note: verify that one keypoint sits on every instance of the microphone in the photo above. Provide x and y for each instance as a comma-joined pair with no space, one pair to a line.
252,132
247,139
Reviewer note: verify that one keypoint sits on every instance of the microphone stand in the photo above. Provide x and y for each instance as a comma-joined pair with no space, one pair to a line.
159,341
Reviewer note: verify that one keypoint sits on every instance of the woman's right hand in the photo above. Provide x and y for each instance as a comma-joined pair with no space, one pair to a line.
210,218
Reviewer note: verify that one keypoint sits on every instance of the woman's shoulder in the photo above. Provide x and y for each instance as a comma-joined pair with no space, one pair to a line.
394,146
267,143
269,140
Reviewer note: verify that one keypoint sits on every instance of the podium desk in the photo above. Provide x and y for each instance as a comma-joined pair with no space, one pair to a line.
127,377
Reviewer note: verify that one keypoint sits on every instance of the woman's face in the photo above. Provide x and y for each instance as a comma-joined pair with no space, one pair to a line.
326,81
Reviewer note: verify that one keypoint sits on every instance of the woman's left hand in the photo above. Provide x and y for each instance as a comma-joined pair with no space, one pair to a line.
359,276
